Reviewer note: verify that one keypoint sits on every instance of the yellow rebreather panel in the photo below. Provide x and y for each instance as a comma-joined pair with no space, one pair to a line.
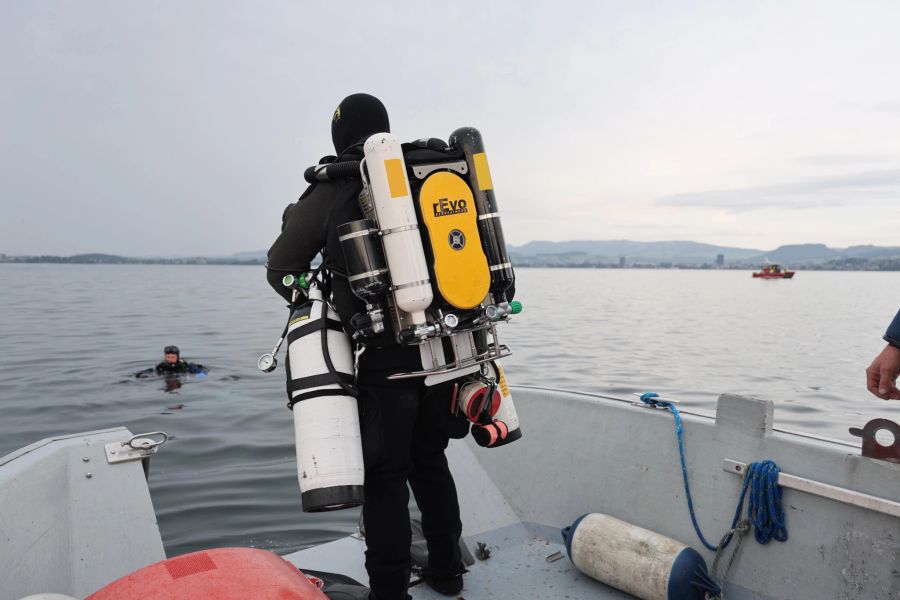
460,267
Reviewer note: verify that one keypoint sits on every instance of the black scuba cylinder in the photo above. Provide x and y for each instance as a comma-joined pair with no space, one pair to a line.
468,139
367,273
367,269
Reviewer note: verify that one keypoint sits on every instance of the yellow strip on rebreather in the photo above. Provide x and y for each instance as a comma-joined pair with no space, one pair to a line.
504,388
482,172
393,167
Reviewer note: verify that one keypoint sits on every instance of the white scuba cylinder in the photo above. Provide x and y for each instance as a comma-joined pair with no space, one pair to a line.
490,408
326,418
399,225
638,561
507,410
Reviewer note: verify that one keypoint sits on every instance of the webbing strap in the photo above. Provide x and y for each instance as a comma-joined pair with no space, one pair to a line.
315,394
304,383
317,325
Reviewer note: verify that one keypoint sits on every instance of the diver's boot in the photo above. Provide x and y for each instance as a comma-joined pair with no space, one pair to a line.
447,587
446,584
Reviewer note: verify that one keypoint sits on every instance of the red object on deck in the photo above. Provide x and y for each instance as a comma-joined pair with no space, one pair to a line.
218,574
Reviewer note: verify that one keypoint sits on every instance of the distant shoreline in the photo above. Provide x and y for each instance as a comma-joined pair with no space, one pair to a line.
882,266
110,259
584,254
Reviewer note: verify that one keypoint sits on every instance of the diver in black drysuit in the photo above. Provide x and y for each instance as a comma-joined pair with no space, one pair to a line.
181,366
405,425
172,364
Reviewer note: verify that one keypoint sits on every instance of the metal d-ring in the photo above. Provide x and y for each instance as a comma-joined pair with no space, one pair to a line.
147,443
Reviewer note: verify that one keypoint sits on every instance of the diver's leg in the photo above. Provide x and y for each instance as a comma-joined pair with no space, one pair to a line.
388,416
433,487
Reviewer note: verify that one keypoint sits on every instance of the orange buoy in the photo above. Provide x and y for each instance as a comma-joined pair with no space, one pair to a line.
221,573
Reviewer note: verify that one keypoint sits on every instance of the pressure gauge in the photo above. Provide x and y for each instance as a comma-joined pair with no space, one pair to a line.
267,363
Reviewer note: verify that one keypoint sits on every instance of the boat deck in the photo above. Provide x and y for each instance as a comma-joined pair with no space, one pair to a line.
517,568
581,454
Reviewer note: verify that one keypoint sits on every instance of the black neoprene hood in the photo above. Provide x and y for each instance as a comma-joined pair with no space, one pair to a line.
357,117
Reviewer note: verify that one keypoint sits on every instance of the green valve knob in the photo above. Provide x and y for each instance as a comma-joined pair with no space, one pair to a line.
292,280
515,307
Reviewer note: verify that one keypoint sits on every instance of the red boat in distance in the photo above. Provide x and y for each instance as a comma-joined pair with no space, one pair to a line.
773,272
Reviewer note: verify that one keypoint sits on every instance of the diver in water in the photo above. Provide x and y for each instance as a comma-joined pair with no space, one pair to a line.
173,364
404,424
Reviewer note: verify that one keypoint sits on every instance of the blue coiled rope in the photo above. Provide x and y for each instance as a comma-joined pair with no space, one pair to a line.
764,510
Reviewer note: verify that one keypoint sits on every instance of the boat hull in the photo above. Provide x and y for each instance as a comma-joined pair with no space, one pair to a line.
604,455
582,453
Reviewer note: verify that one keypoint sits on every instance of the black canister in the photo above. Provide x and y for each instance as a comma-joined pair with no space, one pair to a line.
468,139
366,267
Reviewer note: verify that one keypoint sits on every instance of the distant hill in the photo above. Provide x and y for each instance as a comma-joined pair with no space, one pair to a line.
112,259
800,253
257,255
685,253
609,251
677,253
870,251
806,255
590,253
96,257
93,258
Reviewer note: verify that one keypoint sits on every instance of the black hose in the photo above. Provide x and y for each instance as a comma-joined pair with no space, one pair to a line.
330,172
351,390
310,174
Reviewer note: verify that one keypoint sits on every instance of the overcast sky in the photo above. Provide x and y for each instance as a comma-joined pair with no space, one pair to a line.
183,128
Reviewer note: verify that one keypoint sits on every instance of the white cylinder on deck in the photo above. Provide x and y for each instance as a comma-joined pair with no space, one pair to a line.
641,562
397,220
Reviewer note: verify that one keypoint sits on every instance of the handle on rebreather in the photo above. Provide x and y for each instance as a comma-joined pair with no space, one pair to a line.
299,284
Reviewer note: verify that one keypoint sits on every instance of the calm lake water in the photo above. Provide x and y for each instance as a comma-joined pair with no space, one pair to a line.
73,334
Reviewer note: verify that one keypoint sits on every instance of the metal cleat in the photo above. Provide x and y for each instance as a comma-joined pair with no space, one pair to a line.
871,447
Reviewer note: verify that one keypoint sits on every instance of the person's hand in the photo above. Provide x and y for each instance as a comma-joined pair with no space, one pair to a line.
881,376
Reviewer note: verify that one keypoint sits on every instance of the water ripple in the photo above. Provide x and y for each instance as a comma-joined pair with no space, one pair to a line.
228,475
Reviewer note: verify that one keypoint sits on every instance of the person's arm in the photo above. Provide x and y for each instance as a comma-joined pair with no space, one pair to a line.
302,237
881,376
892,335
